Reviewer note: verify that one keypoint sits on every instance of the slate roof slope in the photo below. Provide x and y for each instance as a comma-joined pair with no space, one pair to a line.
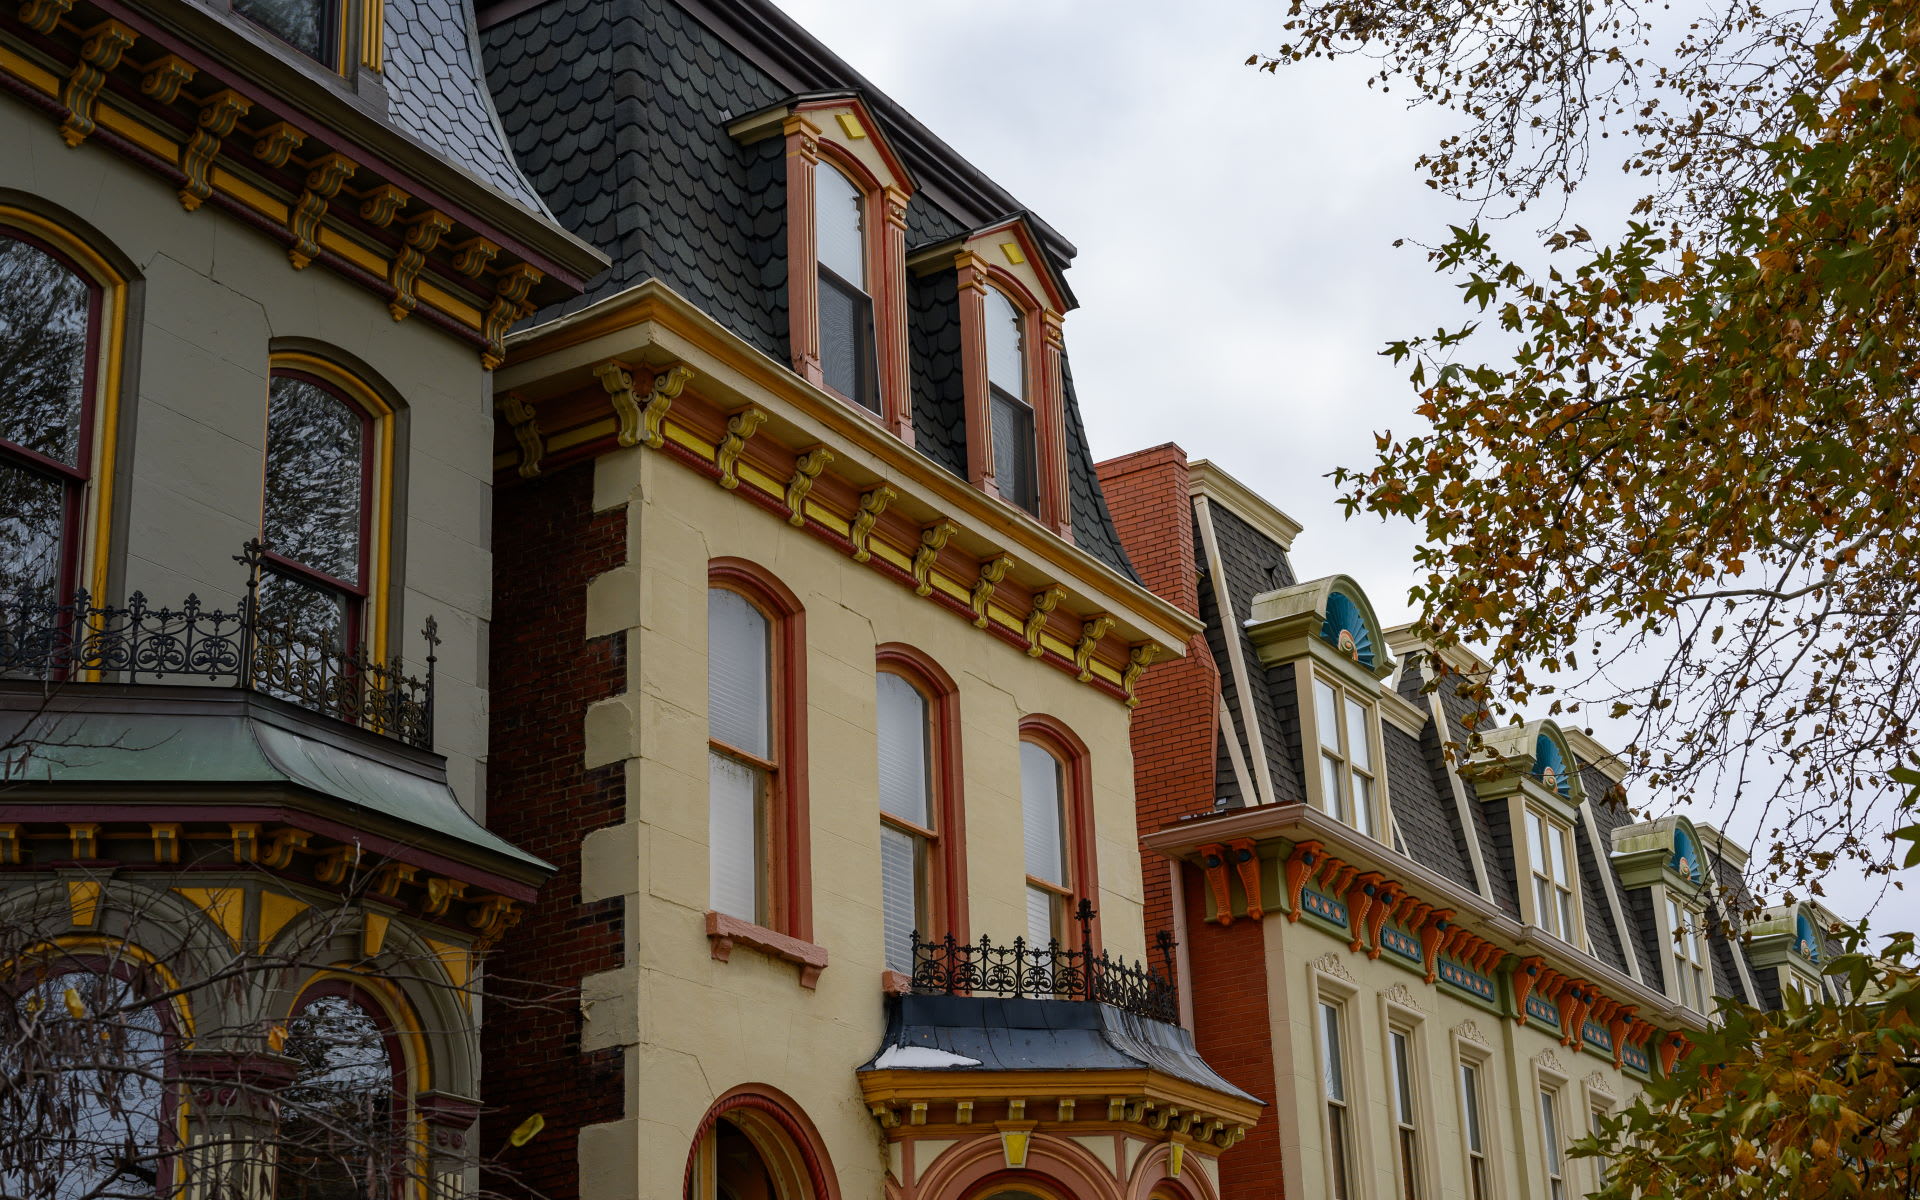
435,93
1250,564
618,112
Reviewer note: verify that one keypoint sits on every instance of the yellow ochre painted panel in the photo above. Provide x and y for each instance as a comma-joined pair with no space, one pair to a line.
449,304
19,67
754,475
139,132
691,440
826,516
576,437
226,906
247,194
458,965
353,251
887,552
1004,616
951,586
1050,642
83,900
275,911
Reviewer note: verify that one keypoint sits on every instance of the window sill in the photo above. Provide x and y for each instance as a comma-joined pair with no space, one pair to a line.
723,932
895,983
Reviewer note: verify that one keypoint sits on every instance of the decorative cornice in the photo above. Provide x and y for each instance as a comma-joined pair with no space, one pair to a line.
1403,996
1331,964
1598,1082
1469,1031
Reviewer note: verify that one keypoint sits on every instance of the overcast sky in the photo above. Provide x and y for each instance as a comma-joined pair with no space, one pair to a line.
1237,275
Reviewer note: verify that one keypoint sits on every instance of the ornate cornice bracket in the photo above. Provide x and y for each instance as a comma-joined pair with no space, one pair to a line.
806,468
1044,602
43,16
933,539
1139,658
665,389
423,234
740,427
101,52
872,504
1091,631
513,408
509,305
323,182
991,573
164,79
218,115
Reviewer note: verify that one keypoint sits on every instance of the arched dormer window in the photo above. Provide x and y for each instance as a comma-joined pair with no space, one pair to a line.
1551,766
1347,628
1015,451
1530,772
62,315
848,364
1806,940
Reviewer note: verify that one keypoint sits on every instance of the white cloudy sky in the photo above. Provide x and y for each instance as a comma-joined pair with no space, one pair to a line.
1237,274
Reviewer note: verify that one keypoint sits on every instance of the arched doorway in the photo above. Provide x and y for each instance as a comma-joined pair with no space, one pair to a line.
755,1144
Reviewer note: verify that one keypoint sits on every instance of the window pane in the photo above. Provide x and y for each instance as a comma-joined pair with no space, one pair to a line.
1333,1070
902,868
1041,793
1013,462
1359,745
846,342
295,613
33,521
45,310
1470,1104
840,246
734,835
306,25
1042,907
337,1134
1567,926
1337,1137
1562,874
1402,1079
1326,714
1543,901
1006,362
737,674
1332,789
1550,1132
1363,804
1542,853
316,463
903,732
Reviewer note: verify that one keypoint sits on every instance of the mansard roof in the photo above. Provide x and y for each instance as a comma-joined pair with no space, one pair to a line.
618,110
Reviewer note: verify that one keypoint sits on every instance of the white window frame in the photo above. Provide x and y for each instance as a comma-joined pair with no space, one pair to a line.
1599,1104
1553,1137
1688,963
1556,902
1338,1146
1399,1021
1480,1059
1339,757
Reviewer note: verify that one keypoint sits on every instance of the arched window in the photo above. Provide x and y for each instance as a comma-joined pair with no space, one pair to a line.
922,868
317,511
756,697
1015,467
49,330
1057,820
93,1054
342,1133
847,350
756,1144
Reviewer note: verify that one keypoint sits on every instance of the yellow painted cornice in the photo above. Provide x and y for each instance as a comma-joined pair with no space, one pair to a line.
1148,1092
652,323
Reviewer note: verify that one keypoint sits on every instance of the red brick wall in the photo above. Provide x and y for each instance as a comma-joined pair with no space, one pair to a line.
1233,1032
547,544
1174,728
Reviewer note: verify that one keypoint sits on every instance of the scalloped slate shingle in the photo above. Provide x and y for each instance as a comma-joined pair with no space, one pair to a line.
434,93
617,111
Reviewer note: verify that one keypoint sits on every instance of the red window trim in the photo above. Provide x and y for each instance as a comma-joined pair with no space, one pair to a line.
884,233
1041,346
949,858
790,852
1054,736
74,479
293,568
788,1117
400,1113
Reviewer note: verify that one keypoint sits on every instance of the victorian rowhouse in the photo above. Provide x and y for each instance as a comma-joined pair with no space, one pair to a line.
823,651
255,261
1437,976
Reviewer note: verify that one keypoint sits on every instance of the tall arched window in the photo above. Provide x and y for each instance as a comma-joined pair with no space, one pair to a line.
848,359
756,745
757,1144
922,857
317,511
342,1133
1043,805
1015,466
49,326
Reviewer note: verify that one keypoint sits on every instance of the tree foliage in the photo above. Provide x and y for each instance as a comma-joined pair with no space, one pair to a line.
1813,1100
1672,474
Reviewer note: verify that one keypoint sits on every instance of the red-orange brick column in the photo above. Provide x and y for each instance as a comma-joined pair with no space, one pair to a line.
1233,1030
548,544
1175,726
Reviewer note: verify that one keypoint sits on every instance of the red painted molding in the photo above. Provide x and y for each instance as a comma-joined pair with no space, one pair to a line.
769,1105
723,932
803,275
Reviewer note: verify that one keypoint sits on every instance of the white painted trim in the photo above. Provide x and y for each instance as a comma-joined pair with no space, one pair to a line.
1462,804
1236,657
1603,856
1234,750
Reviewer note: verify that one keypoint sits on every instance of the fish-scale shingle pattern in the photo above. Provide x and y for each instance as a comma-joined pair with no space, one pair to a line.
939,386
434,93
1425,813
1092,524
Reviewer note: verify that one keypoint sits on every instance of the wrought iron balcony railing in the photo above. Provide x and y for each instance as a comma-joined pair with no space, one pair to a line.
1050,972
78,640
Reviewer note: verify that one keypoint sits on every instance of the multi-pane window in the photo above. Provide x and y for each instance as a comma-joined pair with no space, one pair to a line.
847,353
310,26
1348,780
1689,957
1333,1072
1015,467
1596,1125
905,735
1473,1121
314,518
48,316
1550,1140
1043,800
1552,854
742,757
1405,1120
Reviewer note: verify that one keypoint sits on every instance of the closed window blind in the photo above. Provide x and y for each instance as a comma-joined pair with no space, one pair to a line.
904,734
1014,472
740,754
905,760
846,309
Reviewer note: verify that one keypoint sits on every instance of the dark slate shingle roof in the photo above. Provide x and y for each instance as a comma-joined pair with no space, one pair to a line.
435,95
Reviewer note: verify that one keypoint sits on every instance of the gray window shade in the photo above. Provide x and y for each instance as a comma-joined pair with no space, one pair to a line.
1013,452
846,342
1006,363
1041,905
902,866
1040,799
735,800
836,226
905,762
738,704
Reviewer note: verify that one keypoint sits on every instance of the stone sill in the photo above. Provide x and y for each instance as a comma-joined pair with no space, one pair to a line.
724,932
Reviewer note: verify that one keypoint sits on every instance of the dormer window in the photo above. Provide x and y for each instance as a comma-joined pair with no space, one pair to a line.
1550,845
1689,957
847,362
1348,779
313,27
1015,471
1664,858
